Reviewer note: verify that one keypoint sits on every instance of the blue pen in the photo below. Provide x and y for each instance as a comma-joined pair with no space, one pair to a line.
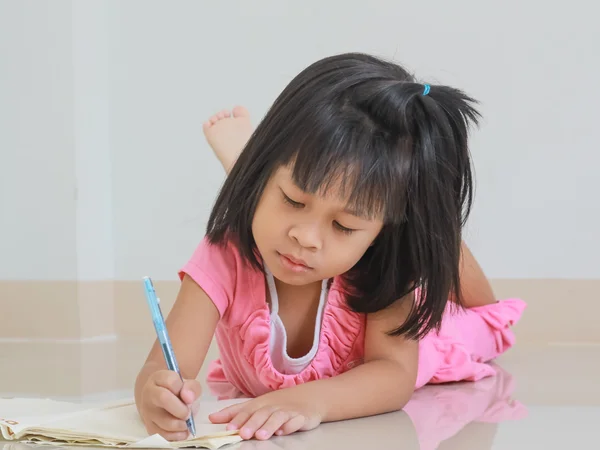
163,338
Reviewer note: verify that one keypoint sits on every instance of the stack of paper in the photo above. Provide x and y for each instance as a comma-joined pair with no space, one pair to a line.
111,425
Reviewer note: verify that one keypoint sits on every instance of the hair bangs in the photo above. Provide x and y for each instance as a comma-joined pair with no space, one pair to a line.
348,158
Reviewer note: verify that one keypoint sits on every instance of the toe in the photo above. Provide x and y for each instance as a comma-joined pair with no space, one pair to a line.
240,111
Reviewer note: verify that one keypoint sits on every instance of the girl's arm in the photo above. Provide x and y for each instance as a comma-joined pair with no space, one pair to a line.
475,287
387,379
191,325
384,383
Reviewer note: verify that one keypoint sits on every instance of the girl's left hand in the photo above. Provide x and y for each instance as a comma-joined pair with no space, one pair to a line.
277,412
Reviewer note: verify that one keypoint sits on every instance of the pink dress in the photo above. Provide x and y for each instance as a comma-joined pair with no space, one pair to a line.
466,341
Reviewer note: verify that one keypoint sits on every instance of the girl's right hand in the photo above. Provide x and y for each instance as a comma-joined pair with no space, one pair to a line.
166,404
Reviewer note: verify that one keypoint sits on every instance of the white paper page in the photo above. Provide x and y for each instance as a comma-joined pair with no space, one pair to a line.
122,424
21,413
114,423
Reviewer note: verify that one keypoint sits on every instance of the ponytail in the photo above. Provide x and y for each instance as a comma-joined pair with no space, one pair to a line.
439,200
418,250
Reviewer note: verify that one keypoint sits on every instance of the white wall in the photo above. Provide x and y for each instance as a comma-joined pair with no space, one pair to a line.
56,212
161,68
37,166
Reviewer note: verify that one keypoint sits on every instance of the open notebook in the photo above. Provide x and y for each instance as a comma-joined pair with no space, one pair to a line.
115,424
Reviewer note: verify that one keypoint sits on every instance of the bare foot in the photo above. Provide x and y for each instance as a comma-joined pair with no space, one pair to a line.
227,133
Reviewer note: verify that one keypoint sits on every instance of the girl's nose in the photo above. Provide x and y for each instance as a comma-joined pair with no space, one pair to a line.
307,235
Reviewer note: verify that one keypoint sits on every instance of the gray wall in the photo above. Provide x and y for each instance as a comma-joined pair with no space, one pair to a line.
105,173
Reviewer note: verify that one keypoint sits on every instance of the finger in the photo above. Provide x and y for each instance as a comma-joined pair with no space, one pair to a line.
273,423
169,380
169,423
190,391
166,400
227,414
256,421
291,426
195,407
238,420
171,436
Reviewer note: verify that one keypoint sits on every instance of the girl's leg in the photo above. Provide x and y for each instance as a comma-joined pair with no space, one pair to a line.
227,133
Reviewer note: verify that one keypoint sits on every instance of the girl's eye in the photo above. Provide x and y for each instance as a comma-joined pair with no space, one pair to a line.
342,228
291,202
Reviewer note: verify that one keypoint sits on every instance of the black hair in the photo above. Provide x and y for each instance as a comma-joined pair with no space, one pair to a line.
408,160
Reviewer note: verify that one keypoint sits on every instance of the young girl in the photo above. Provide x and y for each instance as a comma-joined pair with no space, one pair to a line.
333,258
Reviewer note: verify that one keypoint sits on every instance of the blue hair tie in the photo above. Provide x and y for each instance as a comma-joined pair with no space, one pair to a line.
427,89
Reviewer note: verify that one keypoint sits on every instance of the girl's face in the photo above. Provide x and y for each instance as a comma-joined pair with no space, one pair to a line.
305,238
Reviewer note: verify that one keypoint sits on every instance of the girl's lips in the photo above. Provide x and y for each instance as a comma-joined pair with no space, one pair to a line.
294,264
